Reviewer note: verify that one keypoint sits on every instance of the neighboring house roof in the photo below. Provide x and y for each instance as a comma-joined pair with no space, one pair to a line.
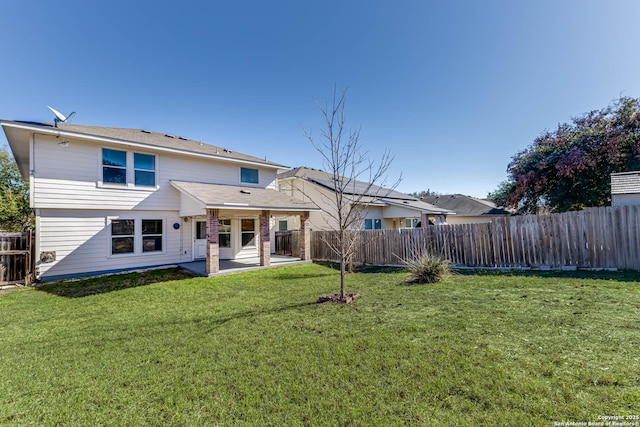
465,205
373,194
218,196
625,182
142,137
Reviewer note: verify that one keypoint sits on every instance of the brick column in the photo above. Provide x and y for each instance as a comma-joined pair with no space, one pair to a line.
265,239
213,245
305,236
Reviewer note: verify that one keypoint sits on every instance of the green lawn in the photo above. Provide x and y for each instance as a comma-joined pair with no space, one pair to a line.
255,349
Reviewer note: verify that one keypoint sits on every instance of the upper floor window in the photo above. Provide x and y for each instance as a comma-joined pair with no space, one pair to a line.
117,168
249,175
144,166
114,166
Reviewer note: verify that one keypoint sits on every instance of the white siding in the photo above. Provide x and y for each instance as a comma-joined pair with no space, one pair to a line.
68,178
81,240
400,212
625,199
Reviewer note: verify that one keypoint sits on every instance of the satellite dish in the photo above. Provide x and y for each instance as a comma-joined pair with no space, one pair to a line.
60,118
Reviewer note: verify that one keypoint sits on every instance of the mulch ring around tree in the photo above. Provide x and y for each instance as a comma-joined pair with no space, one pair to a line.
348,298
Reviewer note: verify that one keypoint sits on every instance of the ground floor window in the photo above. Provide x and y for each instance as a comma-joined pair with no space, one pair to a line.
248,230
122,236
224,233
136,236
282,225
411,222
151,235
372,224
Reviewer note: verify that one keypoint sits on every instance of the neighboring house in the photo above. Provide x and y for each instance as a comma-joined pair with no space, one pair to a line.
385,208
108,199
625,188
468,209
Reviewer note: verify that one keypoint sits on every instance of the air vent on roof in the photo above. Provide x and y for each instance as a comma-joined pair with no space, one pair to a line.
245,192
145,131
169,136
226,150
182,138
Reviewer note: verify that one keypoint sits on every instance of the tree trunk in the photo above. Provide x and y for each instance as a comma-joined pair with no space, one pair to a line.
342,274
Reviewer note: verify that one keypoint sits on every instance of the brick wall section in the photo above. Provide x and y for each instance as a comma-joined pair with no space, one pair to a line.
305,236
265,239
213,246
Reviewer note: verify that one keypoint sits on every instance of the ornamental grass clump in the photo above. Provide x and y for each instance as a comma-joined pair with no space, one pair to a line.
427,268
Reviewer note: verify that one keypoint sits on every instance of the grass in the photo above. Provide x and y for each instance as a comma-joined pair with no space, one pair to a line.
255,349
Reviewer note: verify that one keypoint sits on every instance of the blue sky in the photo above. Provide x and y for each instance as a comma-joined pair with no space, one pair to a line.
452,88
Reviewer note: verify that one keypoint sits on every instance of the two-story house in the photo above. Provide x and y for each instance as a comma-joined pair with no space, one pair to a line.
109,199
384,208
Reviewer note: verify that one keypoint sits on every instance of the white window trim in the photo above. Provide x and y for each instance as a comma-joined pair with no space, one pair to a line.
255,233
130,185
137,237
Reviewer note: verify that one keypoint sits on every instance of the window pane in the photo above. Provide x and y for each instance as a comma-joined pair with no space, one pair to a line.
224,226
282,225
368,225
248,239
114,175
122,227
151,226
224,240
248,225
151,243
114,158
377,224
122,245
145,178
144,161
249,175
201,230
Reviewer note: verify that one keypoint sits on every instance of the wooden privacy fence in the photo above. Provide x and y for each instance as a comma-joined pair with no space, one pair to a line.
16,258
607,237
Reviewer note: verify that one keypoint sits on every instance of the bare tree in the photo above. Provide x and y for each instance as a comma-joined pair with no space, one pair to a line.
356,180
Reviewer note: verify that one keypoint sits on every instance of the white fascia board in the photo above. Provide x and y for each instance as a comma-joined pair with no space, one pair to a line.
60,132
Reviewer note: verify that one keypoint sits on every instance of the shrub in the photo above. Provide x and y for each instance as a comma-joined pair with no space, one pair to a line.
427,268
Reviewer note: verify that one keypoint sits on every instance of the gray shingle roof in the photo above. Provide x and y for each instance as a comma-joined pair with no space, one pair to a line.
356,187
218,196
465,205
150,138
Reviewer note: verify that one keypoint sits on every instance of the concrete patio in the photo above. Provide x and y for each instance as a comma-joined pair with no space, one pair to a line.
240,265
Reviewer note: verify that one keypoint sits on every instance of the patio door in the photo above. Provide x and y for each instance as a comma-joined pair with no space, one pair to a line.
224,239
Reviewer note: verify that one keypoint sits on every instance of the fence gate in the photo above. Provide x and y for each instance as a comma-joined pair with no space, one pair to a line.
16,258
283,243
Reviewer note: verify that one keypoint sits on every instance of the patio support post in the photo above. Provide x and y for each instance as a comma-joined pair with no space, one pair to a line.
213,245
305,236
424,221
265,239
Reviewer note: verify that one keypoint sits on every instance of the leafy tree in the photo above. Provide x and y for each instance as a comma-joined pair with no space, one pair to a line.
423,193
347,164
15,213
569,168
